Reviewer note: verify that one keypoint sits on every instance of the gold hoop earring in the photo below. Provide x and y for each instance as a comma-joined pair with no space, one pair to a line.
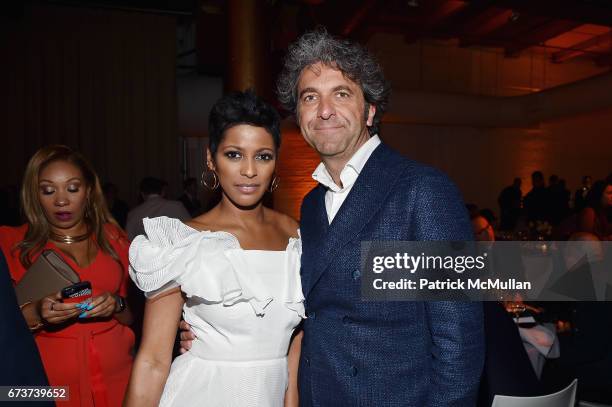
213,184
274,184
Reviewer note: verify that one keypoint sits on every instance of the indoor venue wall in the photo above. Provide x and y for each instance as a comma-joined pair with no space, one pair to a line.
100,81
484,161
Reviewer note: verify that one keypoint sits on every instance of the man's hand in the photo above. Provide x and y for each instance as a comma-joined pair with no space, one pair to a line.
187,336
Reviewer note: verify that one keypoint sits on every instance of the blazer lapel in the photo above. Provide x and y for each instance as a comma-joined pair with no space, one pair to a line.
314,226
368,194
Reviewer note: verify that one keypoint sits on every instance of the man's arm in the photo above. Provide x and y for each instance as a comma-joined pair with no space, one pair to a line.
457,332
457,350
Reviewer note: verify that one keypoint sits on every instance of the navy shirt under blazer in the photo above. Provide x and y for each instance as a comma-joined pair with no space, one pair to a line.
357,353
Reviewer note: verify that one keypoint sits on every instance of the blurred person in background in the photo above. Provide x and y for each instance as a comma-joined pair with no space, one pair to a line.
559,196
537,201
483,230
594,218
153,194
190,197
118,208
580,195
86,346
509,201
507,369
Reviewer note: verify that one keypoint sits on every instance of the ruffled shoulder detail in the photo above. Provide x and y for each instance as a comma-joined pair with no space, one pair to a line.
208,265
169,253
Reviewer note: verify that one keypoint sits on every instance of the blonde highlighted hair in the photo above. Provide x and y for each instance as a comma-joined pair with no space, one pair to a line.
96,211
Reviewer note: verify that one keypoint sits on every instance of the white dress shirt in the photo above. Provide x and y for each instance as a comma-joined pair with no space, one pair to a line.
335,195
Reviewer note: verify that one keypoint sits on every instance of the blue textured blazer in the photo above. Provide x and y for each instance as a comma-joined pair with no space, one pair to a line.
358,353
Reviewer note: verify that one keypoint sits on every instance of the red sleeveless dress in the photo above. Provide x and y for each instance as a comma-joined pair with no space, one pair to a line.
93,358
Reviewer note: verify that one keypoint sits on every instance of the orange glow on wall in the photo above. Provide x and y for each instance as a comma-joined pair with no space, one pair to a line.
297,161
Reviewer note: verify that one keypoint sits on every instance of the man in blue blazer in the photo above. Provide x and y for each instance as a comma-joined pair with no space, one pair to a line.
358,353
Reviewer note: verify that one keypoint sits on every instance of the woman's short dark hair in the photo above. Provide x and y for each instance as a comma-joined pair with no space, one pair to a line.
241,108
353,60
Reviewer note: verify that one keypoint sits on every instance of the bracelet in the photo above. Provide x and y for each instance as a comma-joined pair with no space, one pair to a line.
32,328
36,327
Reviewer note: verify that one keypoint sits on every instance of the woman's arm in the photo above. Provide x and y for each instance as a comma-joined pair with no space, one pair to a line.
292,398
152,364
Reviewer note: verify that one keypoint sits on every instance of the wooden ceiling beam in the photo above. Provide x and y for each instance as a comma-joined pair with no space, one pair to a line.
581,48
436,16
482,25
485,23
455,21
540,35
430,15
576,10
358,17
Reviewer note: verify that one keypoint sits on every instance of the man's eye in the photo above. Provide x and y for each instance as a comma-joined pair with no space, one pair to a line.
233,155
343,94
264,157
309,98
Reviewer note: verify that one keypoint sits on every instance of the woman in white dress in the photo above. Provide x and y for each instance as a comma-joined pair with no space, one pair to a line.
233,272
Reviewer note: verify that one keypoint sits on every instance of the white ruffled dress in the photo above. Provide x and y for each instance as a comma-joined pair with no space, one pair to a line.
243,306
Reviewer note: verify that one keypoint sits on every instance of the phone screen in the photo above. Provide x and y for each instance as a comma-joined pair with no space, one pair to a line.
77,292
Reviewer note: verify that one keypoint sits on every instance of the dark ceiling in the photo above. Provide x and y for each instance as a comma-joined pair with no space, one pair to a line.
569,28
514,25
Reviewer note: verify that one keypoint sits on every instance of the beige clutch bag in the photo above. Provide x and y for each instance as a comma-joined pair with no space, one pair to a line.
47,275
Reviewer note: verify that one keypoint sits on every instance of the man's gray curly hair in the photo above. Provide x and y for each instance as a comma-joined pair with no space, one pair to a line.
353,60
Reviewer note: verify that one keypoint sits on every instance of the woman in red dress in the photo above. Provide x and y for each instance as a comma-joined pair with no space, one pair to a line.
86,346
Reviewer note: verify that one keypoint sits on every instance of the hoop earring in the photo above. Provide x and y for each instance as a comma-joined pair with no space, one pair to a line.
214,184
274,184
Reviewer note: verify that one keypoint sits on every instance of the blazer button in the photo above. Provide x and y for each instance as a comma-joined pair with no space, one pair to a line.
307,360
353,371
356,274
346,320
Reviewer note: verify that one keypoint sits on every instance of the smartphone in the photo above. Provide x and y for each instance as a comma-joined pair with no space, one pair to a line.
78,292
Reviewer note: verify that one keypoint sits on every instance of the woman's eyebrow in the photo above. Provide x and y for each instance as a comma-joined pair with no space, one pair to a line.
53,182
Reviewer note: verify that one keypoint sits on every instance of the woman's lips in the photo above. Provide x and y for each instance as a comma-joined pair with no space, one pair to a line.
247,188
63,216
